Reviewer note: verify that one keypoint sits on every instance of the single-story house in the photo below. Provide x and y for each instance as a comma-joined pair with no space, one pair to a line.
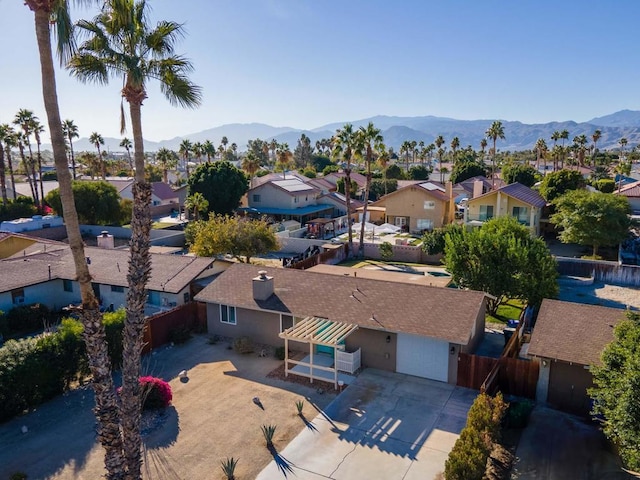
48,276
632,192
568,338
418,207
413,329
515,200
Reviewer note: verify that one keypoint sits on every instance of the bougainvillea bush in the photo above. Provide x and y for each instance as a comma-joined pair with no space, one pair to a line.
156,393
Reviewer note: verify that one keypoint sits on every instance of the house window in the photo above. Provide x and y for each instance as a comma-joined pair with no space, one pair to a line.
67,285
424,224
17,296
486,212
228,314
400,221
522,214
117,289
429,204
296,199
256,198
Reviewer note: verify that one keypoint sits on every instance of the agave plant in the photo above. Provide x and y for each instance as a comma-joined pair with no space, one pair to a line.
229,467
300,406
269,431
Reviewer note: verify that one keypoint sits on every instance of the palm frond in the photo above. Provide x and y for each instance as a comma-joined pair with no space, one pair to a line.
162,40
63,31
87,67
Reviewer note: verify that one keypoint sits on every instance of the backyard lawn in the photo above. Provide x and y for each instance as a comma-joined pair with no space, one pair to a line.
509,310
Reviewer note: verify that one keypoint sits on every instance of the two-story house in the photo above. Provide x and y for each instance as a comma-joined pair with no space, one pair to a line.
515,200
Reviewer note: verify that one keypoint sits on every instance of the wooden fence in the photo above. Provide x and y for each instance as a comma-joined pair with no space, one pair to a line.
474,369
600,270
192,315
323,257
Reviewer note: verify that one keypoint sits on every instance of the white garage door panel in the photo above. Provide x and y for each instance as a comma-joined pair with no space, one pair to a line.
422,357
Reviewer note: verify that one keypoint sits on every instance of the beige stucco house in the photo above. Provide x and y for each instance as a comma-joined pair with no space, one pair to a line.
515,200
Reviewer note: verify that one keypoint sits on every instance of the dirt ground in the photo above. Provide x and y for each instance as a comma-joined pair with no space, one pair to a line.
212,417
601,294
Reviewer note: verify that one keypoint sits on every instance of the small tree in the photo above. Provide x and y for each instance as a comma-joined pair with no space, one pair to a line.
524,174
465,170
592,218
419,172
616,393
240,237
221,184
97,203
556,184
394,172
386,250
433,242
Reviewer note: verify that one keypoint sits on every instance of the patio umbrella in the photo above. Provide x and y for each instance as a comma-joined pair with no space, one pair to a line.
368,227
387,228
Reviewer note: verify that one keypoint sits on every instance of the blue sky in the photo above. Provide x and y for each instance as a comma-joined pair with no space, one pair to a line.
304,63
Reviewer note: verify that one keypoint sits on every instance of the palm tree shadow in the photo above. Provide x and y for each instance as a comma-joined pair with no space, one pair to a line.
162,429
307,423
284,465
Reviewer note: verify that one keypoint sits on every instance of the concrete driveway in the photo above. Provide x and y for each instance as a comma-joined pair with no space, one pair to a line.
383,426
557,446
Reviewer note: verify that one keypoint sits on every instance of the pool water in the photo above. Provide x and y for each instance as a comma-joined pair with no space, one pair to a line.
438,274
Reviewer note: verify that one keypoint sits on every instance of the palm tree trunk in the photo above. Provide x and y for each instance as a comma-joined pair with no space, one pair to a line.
73,158
32,166
3,180
106,410
10,168
103,164
40,177
347,195
27,172
364,209
137,278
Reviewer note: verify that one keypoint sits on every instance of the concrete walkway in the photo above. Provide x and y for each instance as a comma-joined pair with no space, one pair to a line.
383,426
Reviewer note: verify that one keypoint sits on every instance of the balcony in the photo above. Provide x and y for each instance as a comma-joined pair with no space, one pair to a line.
476,219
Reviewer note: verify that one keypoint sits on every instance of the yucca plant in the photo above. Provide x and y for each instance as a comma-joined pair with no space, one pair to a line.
300,406
269,431
229,467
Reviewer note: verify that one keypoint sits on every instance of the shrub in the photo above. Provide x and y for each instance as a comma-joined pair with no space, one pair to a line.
46,176
156,393
113,326
179,335
229,467
26,319
386,250
518,413
243,345
279,353
268,431
606,185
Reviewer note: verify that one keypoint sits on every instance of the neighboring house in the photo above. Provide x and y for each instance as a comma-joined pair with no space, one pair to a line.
24,189
361,180
412,329
339,203
515,200
632,192
568,339
161,193
321,184
479,184
418,207
48,275
36,222
289,199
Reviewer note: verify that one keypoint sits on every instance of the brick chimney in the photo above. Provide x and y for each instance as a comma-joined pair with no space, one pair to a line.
105,240
262,286
478,188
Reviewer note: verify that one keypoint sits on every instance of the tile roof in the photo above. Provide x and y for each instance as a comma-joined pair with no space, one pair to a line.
573,332
629,190
443,313
519,192
170,273
321,184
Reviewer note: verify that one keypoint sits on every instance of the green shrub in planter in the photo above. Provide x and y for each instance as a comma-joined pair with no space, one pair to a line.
279,353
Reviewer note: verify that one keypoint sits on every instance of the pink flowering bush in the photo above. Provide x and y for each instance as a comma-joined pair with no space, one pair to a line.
156,393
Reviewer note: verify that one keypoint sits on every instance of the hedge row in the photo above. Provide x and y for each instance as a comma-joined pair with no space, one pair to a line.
26,319
33,370
468,458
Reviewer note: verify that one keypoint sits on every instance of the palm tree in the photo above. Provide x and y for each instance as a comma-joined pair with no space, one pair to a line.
383,160
438,142
223,143
38,129
284,158
96,139
27,165
455,145
273,146
185,150
197,151
25,119
580,143
48,13
197,203
429,150
343,146
3,178
405,148
70,131
483,145
8,137
250,164
208,149
555,136
367,139
541,150
121,44
597,134
623,143
494,132
564,135
168,160
126,144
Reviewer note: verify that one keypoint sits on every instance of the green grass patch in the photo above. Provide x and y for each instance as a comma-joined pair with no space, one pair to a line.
509,310
161,225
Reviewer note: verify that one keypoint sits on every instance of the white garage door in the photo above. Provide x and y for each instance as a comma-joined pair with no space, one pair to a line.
422,357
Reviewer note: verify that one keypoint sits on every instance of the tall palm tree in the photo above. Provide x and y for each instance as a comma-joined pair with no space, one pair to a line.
70,131
405,149
273,146
197,203
122,44
48,14
564,135
368,139
483,146
96,140
383,161
580,143
595,136
541,151
438,142
555,136
8,137
27,165
3,178
197,151
430,149
251,164
25,119
343,146
455,145
224,141
127,145
167,160
494,132
208,149
185,150
284,158
623,143
38,129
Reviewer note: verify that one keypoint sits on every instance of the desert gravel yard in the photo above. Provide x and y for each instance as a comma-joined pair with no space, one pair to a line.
213,416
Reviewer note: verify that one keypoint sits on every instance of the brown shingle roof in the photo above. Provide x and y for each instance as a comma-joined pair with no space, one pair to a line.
573,332
442,313
170,273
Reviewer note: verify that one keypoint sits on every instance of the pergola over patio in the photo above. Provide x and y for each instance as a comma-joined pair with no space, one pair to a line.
320,331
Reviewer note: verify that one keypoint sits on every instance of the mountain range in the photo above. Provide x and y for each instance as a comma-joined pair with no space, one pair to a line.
395,130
